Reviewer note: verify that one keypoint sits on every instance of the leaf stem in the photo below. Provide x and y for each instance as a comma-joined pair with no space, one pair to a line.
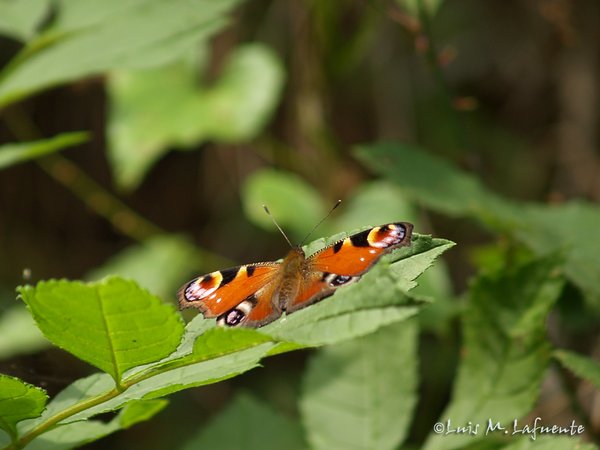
67,412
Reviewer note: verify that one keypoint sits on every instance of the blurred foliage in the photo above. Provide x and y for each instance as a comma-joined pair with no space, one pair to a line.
234,109
475,121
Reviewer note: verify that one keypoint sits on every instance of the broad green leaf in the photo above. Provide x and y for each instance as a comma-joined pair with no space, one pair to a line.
213,355
505,349
584,367
75,434
427,179
77,14
139,34
79,390
19,333
550,442
286,194
544,229
248,424
187,376
146,119
19,401
572,229
140,411
112,324
20,18
157,264
243,99
11,154
361,394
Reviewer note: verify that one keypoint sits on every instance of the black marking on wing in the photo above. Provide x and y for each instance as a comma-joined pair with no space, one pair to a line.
340,280
337,246
228,275
206,279
360,239
250,270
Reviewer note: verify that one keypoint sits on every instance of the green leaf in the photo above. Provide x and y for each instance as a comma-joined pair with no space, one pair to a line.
285,194
20,19
140,411
544,229
243,99
189,375
550,229
11,154
79,390
146,119
19,333
583,367
18,401
361,394
113,324
157,264
505,349
427,179
75,434
134,35
249,424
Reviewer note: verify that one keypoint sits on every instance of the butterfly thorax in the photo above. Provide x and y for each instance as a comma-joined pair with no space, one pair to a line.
290,278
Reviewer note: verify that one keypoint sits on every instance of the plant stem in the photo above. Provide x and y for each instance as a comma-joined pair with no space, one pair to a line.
68,412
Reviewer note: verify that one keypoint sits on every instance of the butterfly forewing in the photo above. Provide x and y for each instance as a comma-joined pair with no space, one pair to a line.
345,261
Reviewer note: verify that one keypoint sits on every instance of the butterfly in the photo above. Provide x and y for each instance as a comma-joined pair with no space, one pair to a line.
254,295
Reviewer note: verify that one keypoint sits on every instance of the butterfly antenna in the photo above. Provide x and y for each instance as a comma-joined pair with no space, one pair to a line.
277,225
320,222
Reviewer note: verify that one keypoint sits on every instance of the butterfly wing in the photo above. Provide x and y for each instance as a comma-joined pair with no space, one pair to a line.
239,295
348,259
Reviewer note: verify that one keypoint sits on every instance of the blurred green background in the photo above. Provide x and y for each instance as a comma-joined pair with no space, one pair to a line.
141,137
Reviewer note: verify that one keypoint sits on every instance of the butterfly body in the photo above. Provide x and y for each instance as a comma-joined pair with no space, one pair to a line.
255,294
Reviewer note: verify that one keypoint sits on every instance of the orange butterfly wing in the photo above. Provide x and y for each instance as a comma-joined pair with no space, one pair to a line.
219,293
256,294
348,259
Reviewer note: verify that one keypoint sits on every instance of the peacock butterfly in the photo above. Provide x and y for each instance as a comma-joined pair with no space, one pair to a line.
254,295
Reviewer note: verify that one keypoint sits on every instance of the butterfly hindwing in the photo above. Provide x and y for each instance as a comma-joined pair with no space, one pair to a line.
229,294
346,260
